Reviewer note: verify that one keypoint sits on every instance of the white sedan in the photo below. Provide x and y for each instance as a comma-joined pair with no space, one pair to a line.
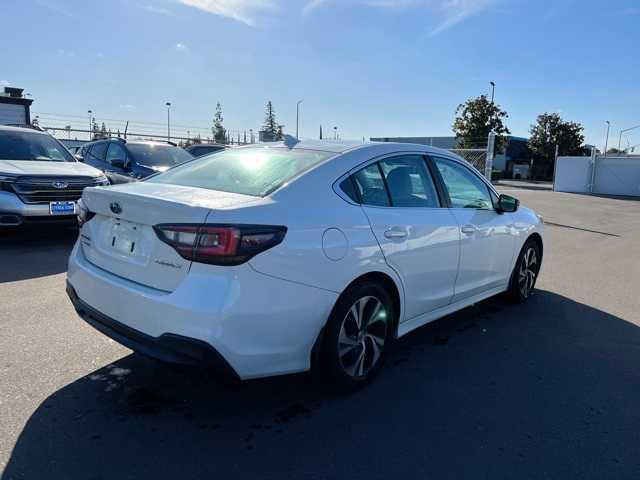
267,260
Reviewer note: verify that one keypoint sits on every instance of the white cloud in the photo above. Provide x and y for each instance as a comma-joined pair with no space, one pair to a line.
449,12
153,9
182,47
456,11
241,10
4,83
127,107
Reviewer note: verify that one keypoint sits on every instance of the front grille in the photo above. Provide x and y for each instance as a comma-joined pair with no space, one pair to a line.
41,190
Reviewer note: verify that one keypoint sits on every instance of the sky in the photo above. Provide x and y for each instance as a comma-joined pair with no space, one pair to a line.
369,67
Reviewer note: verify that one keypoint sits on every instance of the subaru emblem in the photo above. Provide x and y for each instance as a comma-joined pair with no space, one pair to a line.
60,185
115,208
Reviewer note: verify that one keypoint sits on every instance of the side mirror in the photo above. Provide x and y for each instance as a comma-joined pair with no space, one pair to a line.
508,204
118,162
79,157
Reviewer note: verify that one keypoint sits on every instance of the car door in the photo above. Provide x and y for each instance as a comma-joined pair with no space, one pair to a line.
486,235
419,239
117,165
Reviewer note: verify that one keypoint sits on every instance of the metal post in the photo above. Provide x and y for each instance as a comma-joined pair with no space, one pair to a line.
493,90
298,117
606,142
593,168
555,162
491,147
89,112
168,104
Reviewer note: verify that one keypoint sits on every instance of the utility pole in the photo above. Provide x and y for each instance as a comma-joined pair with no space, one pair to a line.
606,142
493,90
89,112
298,117
335,133
168,104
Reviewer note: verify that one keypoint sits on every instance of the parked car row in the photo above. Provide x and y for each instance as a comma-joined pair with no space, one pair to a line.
41,181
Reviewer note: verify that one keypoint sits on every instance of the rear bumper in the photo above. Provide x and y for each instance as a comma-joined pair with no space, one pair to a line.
259,325
168,347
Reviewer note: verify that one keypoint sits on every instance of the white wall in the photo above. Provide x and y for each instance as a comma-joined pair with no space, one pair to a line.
617,176
573,174
613,175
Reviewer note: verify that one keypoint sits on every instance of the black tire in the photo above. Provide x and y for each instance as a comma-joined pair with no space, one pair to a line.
525,273
367,346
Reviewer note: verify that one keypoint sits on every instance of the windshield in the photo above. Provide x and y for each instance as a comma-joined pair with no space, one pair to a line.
249,171
17,145
157,155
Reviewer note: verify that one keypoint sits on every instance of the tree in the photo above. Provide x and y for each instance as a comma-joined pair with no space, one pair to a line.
272,132
219,132
475,119
550,130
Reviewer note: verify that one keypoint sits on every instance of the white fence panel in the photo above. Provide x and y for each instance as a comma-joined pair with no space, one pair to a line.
573,174
617,176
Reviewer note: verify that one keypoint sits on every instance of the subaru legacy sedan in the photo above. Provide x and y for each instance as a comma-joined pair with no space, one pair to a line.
267,260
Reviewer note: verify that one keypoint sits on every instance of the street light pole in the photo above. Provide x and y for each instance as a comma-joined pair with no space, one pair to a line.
493,90
298,117
606,142
89,112
168,104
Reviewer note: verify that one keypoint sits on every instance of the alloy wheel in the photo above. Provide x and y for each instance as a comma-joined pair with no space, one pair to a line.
362,336
528,272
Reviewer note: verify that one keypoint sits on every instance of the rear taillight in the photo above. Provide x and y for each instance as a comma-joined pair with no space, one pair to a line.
220,244
84,214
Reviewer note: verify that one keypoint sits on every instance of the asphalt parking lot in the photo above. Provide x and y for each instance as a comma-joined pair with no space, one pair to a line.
549,389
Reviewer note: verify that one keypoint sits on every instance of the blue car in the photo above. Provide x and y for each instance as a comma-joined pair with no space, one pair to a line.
124,161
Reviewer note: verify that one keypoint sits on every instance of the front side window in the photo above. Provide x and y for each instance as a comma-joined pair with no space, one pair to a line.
116,152
409,182
465,189
255,171
99,150
18,145
370,186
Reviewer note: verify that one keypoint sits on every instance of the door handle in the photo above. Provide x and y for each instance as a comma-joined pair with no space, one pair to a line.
469,229
396,233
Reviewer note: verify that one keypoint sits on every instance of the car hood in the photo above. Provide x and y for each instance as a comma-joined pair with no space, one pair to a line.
33,167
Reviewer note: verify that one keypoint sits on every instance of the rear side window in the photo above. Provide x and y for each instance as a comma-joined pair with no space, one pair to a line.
349,189
370,186
256,171
409,182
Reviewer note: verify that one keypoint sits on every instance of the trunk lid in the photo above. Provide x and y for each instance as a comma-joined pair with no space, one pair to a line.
121,240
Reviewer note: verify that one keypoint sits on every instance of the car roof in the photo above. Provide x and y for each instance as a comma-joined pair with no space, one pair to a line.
11,128
208,145
341,147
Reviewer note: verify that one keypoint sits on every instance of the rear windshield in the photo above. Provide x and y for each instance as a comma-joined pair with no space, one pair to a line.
255,171
158,155
16,145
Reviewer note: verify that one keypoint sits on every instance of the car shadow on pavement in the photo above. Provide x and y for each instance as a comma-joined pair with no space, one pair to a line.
548,389
34,252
